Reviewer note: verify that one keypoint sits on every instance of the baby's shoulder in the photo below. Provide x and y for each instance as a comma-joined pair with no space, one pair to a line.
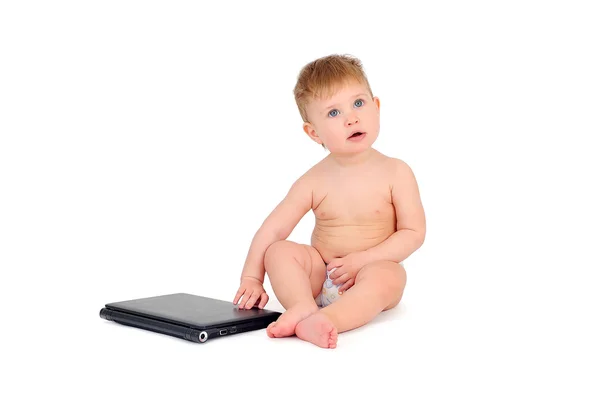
311,177
316,172
396,165
399,171
396,170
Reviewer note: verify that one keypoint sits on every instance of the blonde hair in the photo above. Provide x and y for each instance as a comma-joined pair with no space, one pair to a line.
322,77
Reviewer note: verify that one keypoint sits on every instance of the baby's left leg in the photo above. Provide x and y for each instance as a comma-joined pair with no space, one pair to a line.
379,286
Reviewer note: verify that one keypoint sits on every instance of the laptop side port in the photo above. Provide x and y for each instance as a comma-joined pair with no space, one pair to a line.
232,330
203,336
223,332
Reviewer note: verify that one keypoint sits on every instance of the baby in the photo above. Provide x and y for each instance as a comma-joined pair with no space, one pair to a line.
368,217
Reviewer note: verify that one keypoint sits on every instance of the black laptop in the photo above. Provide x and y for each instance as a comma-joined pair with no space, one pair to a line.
191,317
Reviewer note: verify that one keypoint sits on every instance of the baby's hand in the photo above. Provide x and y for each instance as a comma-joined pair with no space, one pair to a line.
346,269
250,291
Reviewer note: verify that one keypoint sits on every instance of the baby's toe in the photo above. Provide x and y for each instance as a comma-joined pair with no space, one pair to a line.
270,330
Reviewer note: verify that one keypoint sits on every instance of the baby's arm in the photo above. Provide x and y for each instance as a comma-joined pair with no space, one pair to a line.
410,219
278,226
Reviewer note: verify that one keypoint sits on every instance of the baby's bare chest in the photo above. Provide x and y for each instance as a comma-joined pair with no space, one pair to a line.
354,201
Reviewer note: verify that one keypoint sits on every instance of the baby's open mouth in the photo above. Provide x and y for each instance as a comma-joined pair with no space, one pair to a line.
356,134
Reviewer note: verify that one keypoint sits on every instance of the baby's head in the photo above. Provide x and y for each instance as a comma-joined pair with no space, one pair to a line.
335,101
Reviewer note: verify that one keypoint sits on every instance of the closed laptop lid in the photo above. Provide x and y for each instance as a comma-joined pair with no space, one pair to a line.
191,310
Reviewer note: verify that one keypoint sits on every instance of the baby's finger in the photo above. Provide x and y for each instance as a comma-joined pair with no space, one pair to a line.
238,295
264,298
333,264
252,299
347,285
337,272
341,280
245,299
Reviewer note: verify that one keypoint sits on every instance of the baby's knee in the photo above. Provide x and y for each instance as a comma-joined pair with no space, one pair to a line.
395,280
275,250
279,251
397,277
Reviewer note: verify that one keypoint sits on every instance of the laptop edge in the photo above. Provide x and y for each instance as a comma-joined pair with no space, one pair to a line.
199,334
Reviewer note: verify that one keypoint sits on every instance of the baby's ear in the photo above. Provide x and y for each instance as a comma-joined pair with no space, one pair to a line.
377,102
310,131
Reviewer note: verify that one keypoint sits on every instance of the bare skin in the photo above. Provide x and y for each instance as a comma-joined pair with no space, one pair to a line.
347,221
368,219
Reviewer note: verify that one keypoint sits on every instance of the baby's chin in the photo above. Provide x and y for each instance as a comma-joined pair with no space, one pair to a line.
352,149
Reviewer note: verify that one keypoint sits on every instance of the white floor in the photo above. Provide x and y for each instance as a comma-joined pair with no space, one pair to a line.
446,339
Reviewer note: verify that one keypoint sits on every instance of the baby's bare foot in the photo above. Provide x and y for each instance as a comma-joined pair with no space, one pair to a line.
286,323
319,330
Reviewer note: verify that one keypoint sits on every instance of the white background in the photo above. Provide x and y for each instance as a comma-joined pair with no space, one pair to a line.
143,143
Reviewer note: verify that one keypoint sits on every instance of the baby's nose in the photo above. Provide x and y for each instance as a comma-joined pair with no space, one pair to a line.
352,120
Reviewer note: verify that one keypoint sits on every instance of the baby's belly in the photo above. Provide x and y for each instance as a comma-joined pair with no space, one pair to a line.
338,240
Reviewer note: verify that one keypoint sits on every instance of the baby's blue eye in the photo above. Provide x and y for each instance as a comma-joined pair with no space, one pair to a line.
333,112
359,103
